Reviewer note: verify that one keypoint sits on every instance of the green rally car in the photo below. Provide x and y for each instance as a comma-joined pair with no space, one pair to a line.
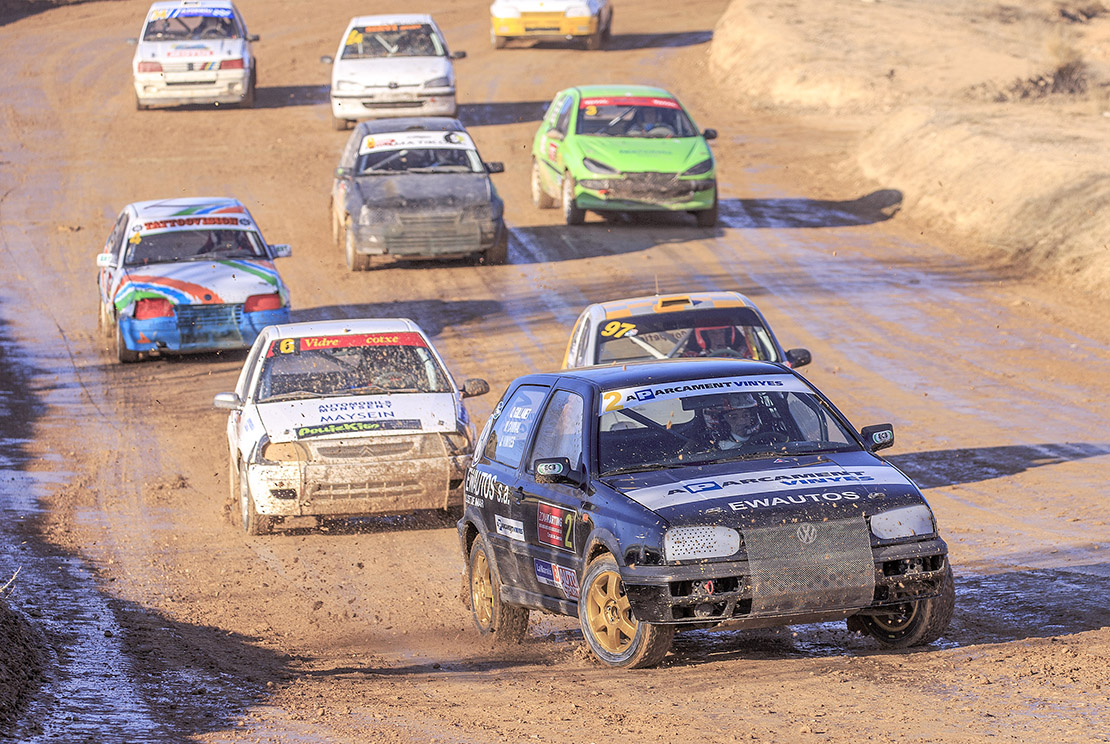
608,148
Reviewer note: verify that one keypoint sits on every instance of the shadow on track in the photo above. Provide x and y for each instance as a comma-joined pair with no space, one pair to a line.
878,206
491,114
952,467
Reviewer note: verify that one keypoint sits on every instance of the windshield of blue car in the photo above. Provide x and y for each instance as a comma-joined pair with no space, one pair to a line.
634,121
318,367
392,40
192,245
195,25
699,427
419,160
718,332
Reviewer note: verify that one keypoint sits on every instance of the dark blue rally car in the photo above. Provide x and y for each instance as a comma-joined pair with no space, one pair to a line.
650,496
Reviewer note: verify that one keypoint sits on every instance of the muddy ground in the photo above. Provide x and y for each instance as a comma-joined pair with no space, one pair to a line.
162,622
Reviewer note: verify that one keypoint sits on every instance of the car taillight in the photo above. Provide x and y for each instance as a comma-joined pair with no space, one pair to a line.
153,308
150,67
232,64
255,303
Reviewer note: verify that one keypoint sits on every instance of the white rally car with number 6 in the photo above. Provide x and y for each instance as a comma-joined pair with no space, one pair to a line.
345,418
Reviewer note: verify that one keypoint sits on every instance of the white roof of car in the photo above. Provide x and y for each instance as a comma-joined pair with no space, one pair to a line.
669,302
346,327
197,205
398,18
192,3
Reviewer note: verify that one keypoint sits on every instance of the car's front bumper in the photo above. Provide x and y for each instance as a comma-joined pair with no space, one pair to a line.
445,236
196,328
174,89
425,102
722,591
544,26
349,487
630,194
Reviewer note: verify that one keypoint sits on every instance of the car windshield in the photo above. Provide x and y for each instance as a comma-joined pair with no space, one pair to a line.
419,160
721,332
679,424
358,364
633,117
192,245
192,24
392,40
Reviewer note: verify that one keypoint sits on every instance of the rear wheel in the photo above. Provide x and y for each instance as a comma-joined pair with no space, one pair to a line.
124,354
104,320
355,261
571,213
499,42
253,522
608,34
913,623
339,125
504,623
708,217
499,252
593,41
248,96
540,198
139,105
611,630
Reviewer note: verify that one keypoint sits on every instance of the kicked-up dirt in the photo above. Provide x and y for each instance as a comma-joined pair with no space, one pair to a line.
161,621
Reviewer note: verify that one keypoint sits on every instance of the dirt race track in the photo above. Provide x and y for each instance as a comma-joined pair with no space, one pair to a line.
163,622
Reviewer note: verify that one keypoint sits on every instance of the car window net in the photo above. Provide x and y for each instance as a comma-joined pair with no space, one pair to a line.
727,332
410,40
354,370
186,245
634,121
433,159
197,27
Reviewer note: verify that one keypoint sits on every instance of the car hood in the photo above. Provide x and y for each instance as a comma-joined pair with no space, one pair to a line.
772,491
385,70
190,51
643,154
358,416
216,282
424,191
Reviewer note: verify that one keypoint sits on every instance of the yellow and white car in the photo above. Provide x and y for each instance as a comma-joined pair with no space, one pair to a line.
588,21
698,324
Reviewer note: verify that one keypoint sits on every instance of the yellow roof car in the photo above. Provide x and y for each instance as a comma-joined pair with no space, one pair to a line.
717,324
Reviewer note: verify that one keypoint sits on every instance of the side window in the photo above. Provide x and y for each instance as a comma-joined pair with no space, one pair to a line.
510,428
559,433
119,232
350,152
582,345
249,366
564,115
552,112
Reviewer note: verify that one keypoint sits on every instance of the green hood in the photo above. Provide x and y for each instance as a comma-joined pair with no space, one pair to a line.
640,154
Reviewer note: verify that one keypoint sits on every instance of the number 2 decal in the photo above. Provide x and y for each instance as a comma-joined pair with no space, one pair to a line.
568,530
612,400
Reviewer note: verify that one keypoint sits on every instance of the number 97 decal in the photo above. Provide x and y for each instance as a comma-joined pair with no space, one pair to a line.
616,329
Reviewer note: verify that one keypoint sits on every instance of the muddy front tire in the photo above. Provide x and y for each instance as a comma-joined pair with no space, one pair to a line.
253,523
123,354
611,630
914,623
355,261
540,198
504,623
571,213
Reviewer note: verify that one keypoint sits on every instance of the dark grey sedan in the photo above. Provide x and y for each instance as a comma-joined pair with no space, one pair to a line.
416,188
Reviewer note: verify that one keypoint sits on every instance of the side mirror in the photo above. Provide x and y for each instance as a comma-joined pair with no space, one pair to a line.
458,55
709,134
557,470
555,134
229,401
495,167
282,250
105,260
253,37
474,386
877,437
798,357
327,59
342,172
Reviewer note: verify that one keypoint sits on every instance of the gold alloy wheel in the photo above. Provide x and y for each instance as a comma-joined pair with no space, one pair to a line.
609,613
899,621
481,590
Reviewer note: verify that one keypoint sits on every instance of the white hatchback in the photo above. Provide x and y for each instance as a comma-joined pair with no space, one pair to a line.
194,51
345,418
391,65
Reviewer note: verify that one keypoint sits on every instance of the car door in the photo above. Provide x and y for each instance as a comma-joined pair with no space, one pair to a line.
551,143
107,278
341,185
552,511
492,482
243,426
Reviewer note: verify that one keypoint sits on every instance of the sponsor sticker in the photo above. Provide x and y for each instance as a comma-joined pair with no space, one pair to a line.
313,343
555,526
416,140
562,578
510,528
355,427
668,103
614,400
182,223
482,485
